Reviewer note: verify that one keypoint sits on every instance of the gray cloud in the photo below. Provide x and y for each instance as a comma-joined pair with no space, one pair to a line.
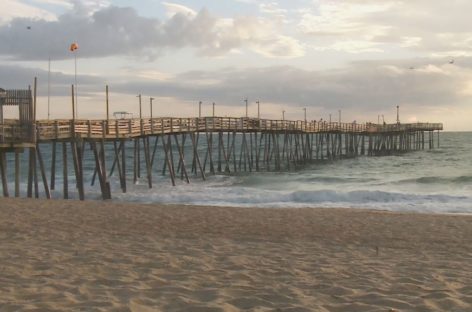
363,86
17,77
110,31
121,31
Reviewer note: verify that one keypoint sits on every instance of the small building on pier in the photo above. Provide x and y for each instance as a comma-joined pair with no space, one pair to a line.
18,130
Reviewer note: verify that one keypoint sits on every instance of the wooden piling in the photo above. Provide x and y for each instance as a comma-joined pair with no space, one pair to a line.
53,165
3,172
43,172
17,173
65,176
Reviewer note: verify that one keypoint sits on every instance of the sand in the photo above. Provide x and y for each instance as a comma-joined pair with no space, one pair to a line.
95,256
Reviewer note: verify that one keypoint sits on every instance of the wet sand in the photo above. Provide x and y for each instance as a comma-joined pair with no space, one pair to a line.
95,256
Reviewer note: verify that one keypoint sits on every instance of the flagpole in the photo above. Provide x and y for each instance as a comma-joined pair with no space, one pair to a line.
49,86
76,89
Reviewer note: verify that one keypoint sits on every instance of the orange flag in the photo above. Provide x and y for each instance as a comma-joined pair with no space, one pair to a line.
74,46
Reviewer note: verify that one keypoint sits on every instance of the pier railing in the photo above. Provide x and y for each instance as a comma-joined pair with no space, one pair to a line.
12,131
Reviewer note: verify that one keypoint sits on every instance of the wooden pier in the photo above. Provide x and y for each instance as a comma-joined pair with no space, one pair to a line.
181,148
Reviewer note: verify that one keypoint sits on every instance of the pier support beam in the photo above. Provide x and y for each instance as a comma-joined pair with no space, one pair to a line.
3,173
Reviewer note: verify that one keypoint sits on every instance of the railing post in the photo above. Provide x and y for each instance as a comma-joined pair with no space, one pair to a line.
72,128
89,128
56,129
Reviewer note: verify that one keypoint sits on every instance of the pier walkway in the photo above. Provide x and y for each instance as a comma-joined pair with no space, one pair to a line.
13,131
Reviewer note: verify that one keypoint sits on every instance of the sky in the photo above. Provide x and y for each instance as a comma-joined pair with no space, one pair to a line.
362,58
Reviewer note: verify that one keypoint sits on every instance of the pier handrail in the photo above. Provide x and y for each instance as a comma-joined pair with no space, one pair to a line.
11,130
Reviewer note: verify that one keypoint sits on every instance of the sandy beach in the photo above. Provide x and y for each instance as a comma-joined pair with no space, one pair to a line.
106,256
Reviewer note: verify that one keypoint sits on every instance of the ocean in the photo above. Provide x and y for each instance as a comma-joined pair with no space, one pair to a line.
438,181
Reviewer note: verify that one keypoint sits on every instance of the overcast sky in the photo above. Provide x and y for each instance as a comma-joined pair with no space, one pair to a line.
363,57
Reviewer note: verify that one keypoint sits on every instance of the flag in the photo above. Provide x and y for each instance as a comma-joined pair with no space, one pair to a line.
74,46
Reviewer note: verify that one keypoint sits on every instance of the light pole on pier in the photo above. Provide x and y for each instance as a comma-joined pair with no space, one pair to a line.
258,110
140,108
246,106
283,115
213,109
383,119
150,105
107,103
200,109
339,116
304,110
49,87
398,114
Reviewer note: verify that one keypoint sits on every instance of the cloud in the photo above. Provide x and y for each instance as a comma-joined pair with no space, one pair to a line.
274,11
352,46
62,3
18,77
12,9
121,31
174,8
362,87
422,26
